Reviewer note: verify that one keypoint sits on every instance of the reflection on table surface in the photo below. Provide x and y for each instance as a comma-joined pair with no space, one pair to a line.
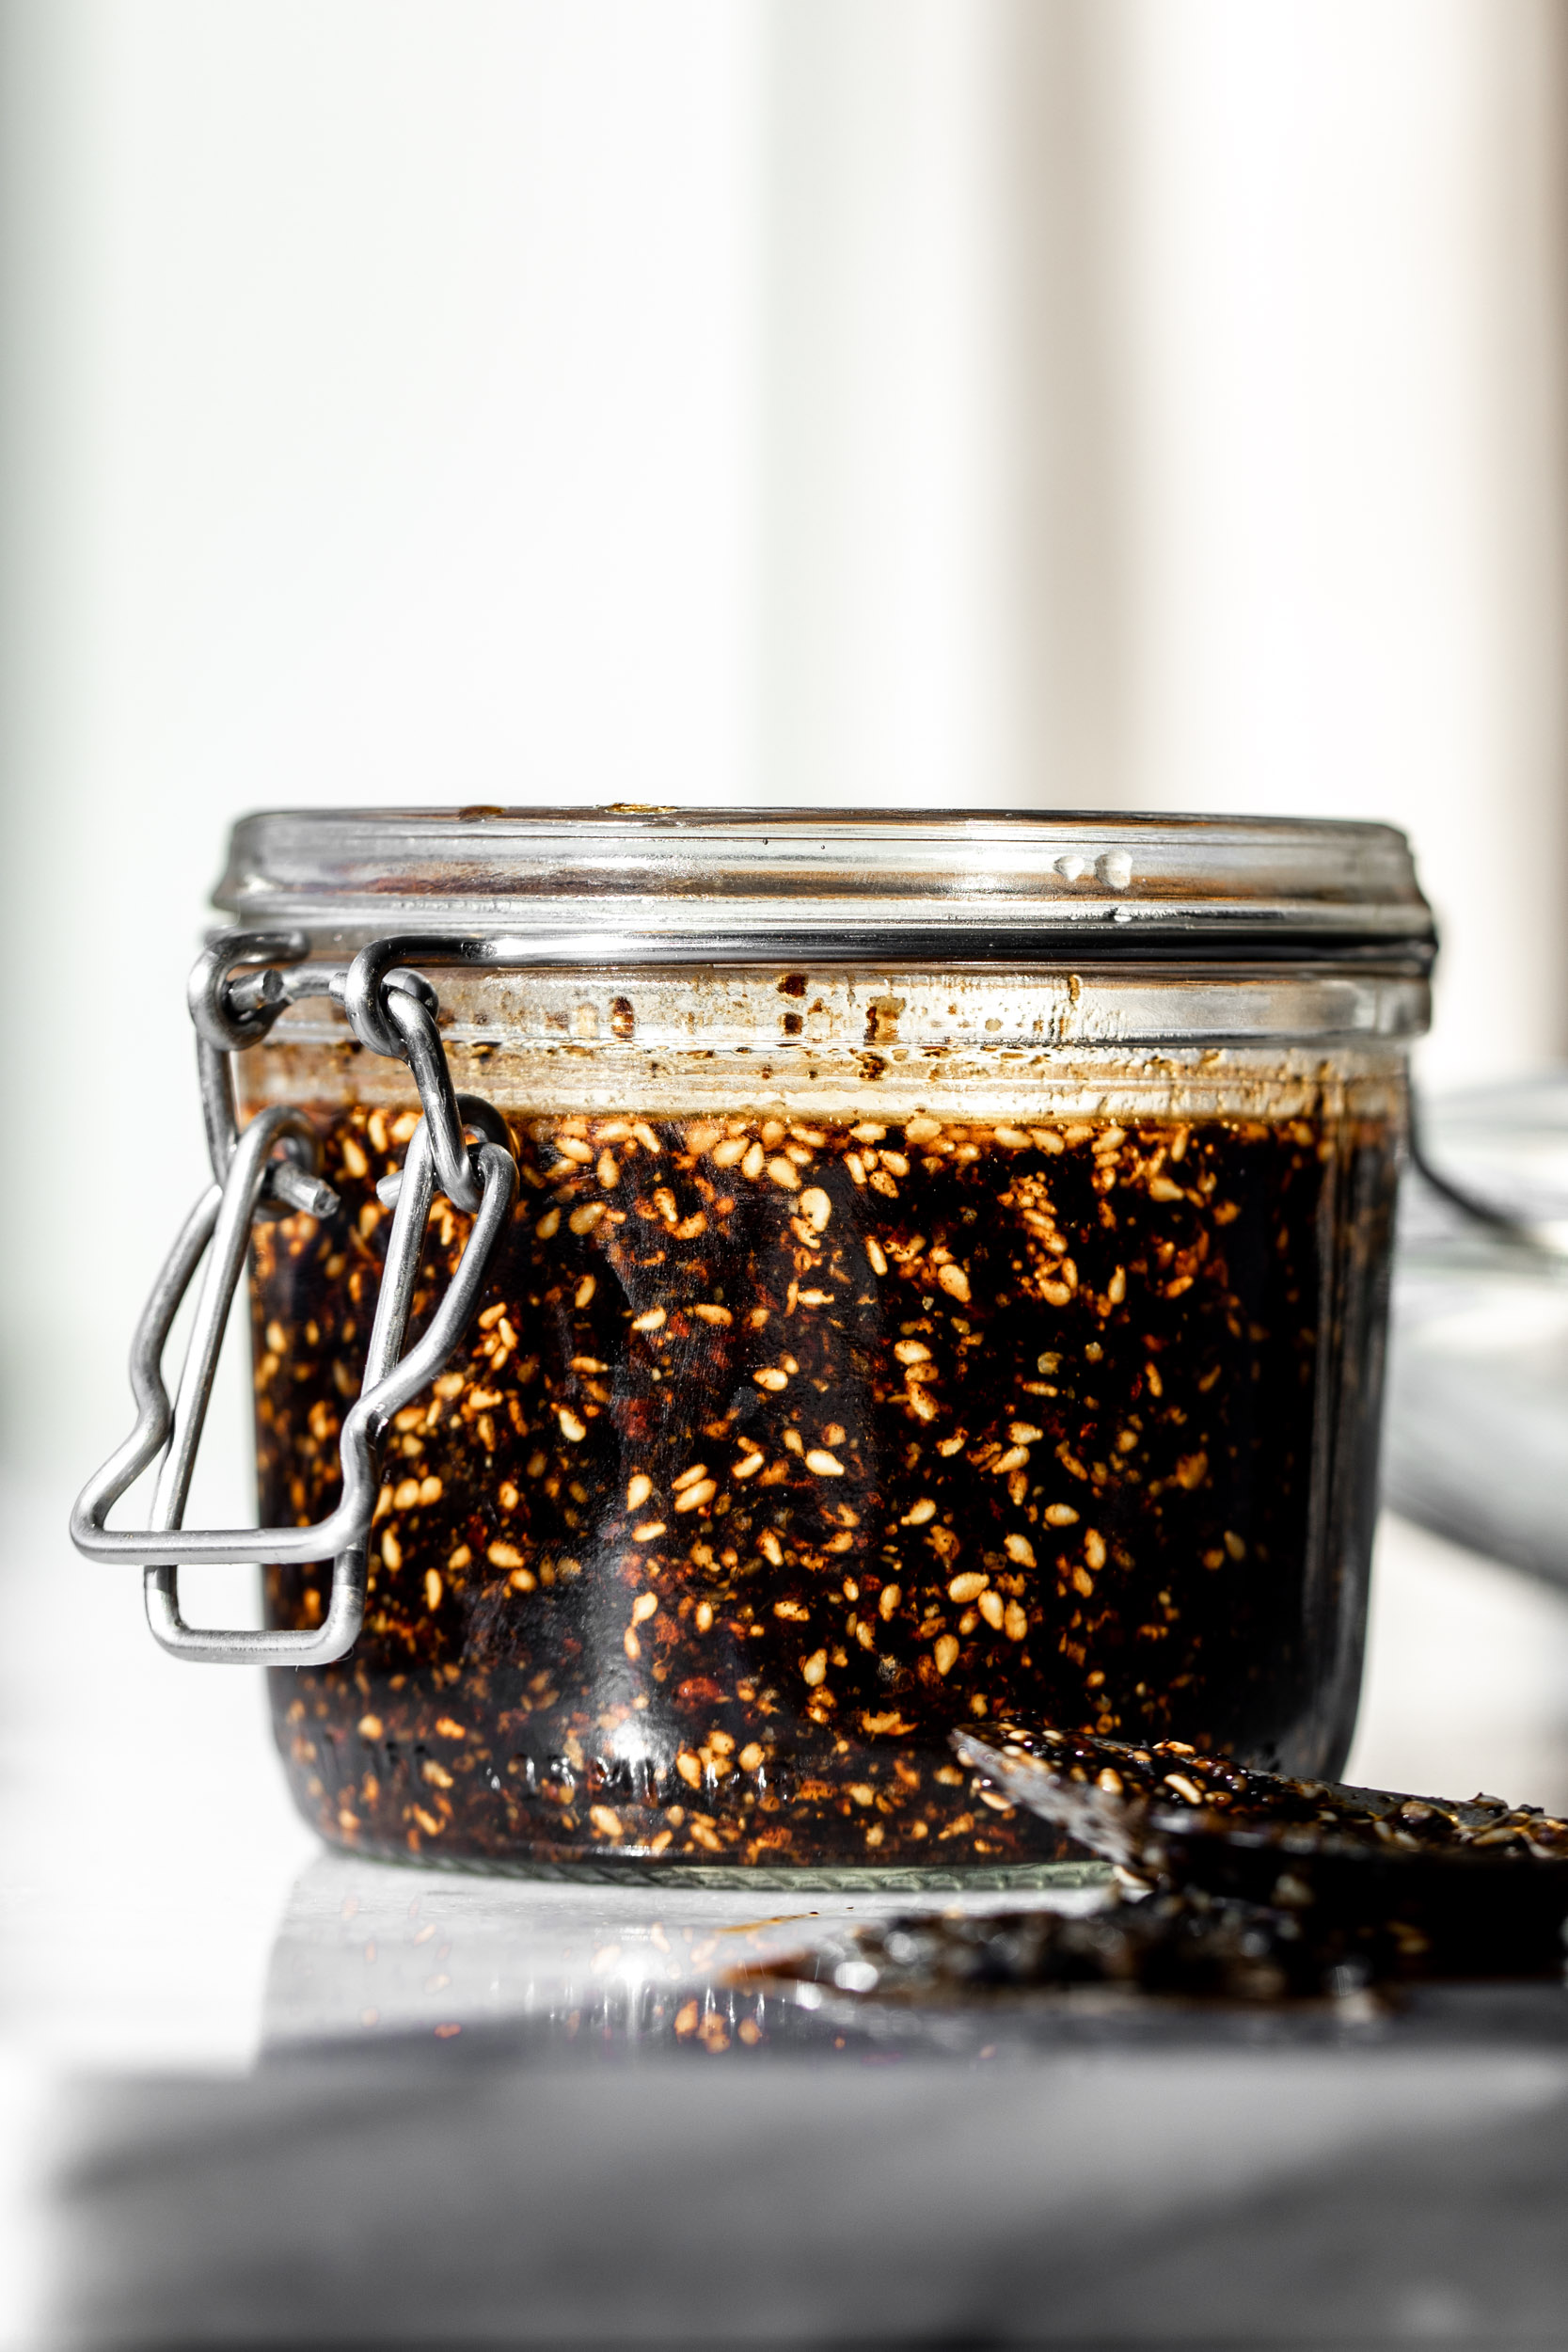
369,1953
373,1963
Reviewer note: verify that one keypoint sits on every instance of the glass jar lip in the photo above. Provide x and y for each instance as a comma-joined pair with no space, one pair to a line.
658,883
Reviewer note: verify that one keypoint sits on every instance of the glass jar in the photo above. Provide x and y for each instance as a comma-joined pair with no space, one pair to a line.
1478,1390
946,1284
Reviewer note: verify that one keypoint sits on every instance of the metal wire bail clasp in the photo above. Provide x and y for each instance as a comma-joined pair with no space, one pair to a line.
219,1226
394,1011
235,994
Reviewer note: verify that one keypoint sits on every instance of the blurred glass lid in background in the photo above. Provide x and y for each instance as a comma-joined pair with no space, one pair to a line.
1476,1437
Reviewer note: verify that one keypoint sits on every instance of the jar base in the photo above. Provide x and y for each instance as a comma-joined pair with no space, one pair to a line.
805,1879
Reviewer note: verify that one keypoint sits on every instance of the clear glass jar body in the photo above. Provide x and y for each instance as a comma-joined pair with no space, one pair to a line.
874,1352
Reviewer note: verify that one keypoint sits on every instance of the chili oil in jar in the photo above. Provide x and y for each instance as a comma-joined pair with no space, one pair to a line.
880,1344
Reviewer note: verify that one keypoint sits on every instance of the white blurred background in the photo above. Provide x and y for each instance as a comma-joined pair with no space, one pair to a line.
1145,403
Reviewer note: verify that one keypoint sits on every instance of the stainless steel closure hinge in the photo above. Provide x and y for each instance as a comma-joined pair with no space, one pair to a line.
242,981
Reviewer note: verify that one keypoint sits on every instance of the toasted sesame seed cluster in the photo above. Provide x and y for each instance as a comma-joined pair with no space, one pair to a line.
779,1449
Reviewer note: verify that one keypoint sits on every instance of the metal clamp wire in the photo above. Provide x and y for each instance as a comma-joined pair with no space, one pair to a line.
154,1414
233,1015
476,1113
229,1015
364,990
414,1021
392,1009
389,1384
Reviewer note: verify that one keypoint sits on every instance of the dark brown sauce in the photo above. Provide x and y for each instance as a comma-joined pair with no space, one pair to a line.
780,1450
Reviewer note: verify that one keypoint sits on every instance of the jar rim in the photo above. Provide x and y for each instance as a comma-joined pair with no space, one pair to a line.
660,883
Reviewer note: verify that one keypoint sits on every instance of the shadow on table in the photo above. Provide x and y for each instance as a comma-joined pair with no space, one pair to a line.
1233,2198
